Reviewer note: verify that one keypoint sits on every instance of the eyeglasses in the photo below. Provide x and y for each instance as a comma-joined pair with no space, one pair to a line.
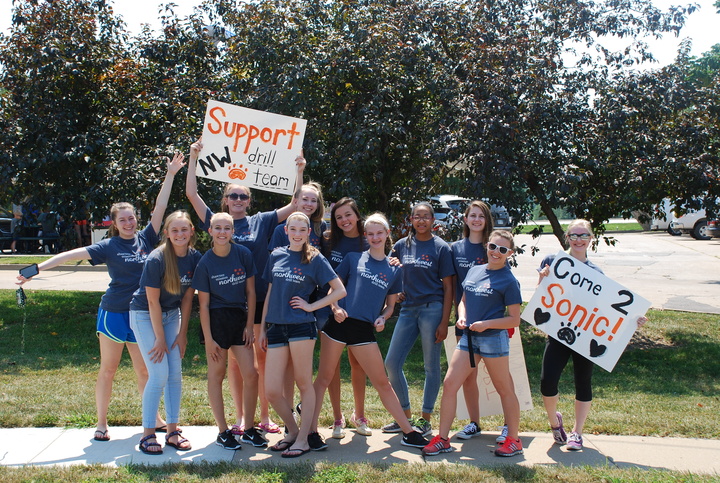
422,217
238,196
493,247
581,236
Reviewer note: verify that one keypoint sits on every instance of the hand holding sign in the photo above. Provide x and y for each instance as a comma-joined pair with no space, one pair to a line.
585,310
250,148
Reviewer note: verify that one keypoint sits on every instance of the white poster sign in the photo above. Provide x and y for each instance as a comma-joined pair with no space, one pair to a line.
585,310
251,148
489,398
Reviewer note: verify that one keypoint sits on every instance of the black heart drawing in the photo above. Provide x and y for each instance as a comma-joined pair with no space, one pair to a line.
596,350
540,316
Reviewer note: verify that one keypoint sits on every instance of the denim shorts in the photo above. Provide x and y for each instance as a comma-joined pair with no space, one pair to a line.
115,326
279,335
495,345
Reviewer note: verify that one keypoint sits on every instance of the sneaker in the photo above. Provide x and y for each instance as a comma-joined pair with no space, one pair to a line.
337,429
423,426
361,425
316,442
414,439
510,447
559,433
469,431
436,446
503,434
393,427
227,440
575,441
298,408
252,436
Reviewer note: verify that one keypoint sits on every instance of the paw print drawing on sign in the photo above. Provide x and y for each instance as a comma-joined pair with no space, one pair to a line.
567,334
237,172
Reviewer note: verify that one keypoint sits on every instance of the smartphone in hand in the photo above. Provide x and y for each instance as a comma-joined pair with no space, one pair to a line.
30,270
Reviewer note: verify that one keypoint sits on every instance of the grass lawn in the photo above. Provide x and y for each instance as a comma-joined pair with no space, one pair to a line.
610,228
666,384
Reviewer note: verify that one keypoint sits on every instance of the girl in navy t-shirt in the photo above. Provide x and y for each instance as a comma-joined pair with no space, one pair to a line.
225,281
372,285
289,327
124,252
159,315
427,270
489,306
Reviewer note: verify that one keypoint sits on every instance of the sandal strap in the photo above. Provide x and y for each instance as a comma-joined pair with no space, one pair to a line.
149,436
177,433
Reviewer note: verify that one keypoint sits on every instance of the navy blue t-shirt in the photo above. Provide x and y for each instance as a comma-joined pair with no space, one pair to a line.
487,293
152,276
465,256
125,260
253,232
224,277
424,265
290,277
368,282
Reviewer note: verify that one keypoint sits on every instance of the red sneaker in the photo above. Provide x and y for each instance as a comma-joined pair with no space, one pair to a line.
436,446
510,447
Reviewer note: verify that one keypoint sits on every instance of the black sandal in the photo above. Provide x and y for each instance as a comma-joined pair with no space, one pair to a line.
103,435
180,441
145,446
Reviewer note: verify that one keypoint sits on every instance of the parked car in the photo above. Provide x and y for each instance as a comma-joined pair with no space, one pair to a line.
7,226
713,228
693,222
444,204
664,224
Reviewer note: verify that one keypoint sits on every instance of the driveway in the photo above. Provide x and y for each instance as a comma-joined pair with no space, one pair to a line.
672,272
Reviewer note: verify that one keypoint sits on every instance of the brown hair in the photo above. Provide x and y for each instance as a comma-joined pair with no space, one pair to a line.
171,277
114,209
317,217
336,233
489,223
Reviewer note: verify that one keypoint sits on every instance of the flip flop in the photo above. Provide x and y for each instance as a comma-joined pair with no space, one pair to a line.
161,429
103,435
282,445
294,453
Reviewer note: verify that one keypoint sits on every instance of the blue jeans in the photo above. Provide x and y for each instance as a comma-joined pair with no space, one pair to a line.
422,320
165,375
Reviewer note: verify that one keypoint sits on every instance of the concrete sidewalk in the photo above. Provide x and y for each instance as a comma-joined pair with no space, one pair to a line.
57,446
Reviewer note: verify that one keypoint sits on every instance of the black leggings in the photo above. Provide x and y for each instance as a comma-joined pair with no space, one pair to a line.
555,359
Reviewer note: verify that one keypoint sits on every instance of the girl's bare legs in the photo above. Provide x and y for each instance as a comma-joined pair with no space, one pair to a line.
276,363
235,380
499,371
260,356
110,355
215,377
301,353
458,371
472,394
246,358
357,377
330,352
582,409
551,403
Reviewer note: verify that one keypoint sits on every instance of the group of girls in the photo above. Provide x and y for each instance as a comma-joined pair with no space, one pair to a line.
272,280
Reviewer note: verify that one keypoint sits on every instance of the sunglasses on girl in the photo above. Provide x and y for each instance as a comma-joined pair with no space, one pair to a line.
493,247
238,196
581,236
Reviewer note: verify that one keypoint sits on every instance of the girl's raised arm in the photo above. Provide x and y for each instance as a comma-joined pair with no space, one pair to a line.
191,181
287,210
162,200
76,254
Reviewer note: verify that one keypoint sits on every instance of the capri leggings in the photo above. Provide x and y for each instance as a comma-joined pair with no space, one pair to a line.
555,359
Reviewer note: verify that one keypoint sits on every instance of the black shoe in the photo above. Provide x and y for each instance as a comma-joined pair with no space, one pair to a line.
414,439
316,442
298,408
227,440
252,436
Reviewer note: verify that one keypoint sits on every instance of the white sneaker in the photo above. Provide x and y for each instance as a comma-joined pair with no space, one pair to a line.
503,435
361,425
338,432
